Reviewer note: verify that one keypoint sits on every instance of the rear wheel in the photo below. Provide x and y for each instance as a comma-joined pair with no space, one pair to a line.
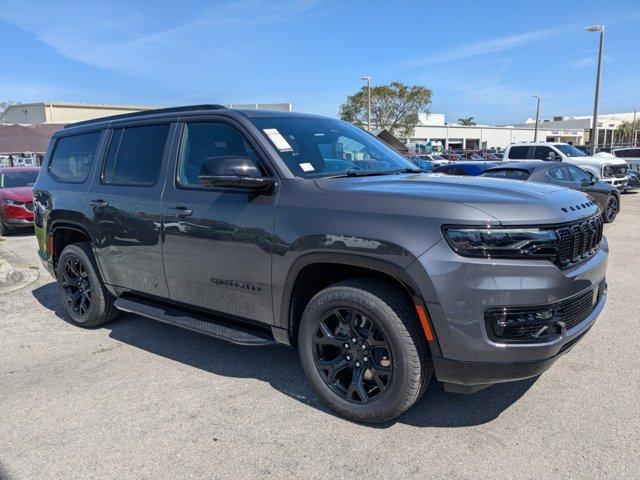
611,209
363,351
81,289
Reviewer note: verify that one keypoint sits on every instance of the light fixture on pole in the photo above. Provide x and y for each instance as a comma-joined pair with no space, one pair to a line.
633,128
368,79
594,129
535,132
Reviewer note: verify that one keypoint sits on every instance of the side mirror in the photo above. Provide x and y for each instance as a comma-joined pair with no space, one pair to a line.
593,178
233,172
552,157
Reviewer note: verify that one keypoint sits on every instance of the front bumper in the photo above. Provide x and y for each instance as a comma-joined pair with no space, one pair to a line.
17,216
618,182
459,290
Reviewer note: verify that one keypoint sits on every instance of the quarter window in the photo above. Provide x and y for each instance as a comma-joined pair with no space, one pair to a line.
207,141
73,157
135,155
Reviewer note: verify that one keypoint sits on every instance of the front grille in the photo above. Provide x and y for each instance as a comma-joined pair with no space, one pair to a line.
615,170
578,241
544,323
29,206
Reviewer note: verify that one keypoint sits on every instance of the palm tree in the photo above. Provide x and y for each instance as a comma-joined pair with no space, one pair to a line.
466,121
624,132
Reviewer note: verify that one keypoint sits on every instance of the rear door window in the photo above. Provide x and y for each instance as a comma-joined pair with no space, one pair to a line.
558,174
73,157
135,155
519,152
512,174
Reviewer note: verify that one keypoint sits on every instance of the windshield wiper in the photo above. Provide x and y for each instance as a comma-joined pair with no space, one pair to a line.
371,173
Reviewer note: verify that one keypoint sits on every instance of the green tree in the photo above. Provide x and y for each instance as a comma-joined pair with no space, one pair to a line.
623,132
394,107
466,121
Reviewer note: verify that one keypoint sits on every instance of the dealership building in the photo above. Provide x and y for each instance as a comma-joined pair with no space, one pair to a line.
434,131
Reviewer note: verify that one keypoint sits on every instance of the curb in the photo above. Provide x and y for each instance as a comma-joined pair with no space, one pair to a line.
12,279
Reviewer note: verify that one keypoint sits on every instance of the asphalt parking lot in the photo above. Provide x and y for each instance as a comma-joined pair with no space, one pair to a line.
140,399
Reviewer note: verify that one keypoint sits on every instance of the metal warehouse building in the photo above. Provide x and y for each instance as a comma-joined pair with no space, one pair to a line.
62,112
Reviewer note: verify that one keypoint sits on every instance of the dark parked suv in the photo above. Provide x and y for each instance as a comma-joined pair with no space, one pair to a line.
268,227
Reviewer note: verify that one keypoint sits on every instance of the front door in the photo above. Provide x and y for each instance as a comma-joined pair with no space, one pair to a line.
125,215
217,241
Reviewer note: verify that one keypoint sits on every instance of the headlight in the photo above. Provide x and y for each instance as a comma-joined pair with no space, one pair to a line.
13,203
502,242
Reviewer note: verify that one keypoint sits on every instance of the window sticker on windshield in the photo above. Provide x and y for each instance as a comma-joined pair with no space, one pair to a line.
307,167
278,140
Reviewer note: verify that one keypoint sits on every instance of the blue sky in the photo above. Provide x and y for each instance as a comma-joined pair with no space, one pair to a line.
484,59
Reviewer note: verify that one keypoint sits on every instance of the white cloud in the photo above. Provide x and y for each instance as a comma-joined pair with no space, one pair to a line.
490,46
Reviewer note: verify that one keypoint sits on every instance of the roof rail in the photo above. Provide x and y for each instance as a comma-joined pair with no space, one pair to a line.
144,113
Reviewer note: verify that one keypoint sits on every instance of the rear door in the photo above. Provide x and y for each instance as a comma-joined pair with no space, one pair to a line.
218,241
125,211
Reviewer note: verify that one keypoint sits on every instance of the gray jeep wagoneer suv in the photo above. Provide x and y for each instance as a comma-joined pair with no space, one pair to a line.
266,227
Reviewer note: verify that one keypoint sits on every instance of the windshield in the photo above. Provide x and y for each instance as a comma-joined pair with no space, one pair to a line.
570,150
322,147
18,179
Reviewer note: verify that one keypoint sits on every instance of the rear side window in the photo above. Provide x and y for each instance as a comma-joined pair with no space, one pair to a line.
73,156
135,155
511,174
518,152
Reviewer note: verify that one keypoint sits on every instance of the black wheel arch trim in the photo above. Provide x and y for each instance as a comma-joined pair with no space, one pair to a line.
286,320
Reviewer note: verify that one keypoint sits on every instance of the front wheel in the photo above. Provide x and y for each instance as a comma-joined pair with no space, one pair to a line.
363,351
611,209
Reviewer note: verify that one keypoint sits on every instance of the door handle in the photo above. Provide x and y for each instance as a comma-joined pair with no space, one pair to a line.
99,203
181,211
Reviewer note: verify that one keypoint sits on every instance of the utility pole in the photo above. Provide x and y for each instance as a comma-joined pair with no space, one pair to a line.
368,79
594,129
535,132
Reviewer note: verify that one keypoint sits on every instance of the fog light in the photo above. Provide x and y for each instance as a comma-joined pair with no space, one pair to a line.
523,325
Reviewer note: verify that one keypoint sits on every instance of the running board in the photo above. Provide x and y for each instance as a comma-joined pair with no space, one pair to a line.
239,335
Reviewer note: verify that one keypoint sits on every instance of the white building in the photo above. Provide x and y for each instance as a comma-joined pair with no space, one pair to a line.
575,130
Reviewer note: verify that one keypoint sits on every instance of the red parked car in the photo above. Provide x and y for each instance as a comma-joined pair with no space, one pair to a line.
16,197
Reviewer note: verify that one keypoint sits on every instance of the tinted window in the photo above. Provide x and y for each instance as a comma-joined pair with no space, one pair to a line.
18,179
512,174
627,152
578,175
558,174
207,141
542,153
135,155
73,157
314,147
518,152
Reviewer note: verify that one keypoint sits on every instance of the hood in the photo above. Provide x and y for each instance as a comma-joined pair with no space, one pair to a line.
19,194
509,201
599,159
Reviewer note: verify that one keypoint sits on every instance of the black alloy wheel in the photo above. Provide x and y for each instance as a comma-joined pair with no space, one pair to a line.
611,209
76,286
352,355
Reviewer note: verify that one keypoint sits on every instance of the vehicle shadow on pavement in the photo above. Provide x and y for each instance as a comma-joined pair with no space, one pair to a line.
280,367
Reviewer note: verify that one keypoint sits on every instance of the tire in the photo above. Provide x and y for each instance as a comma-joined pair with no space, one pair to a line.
611,209
4,230
396,322
77,272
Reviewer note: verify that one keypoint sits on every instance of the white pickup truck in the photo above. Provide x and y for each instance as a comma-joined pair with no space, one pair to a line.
607,169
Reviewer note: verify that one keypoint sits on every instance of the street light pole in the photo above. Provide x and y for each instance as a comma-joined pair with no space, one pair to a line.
535,132
594,129
368,79
633,128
